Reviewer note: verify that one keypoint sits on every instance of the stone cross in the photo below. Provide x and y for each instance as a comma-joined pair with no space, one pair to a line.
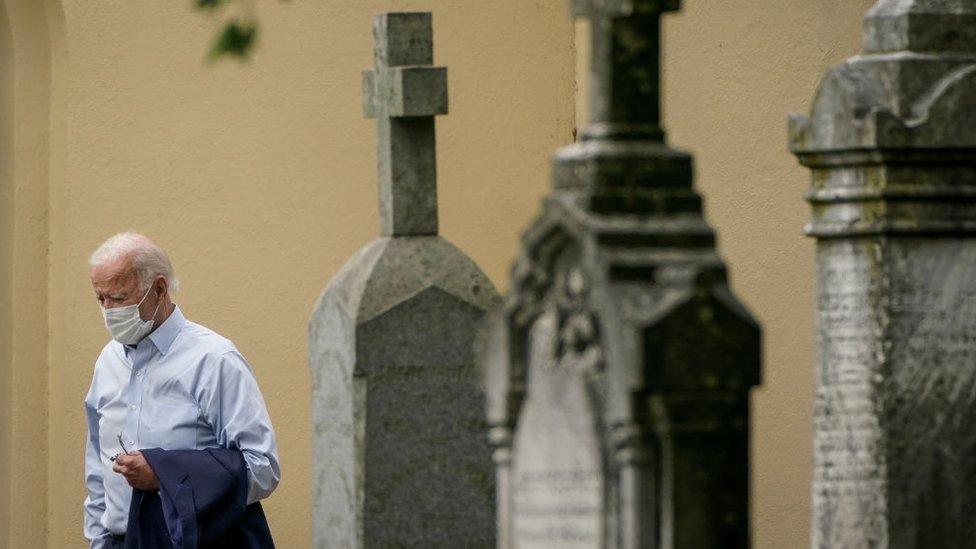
891,143
625,87
619,370
401,458
404,93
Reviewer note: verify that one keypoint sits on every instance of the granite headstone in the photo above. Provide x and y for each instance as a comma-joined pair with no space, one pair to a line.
400,456
618,370
891,141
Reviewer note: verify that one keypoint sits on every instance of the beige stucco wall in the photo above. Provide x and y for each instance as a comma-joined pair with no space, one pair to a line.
26,102
259,179
734,71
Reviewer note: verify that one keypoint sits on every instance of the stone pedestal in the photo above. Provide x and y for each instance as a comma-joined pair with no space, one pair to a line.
619,369
891,141
400,456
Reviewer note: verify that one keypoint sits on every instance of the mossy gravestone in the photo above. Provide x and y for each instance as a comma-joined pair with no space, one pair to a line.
400,456
619,369
891,140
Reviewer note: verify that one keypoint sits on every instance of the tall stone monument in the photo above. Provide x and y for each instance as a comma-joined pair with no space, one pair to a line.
400,456
891,142
619,368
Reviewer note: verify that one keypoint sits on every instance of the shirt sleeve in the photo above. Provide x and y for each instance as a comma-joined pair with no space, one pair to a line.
234,407
95,502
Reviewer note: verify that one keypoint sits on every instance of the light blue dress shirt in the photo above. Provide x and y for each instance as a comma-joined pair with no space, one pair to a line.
183,387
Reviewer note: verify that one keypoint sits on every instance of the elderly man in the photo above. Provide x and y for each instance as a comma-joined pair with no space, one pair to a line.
162,382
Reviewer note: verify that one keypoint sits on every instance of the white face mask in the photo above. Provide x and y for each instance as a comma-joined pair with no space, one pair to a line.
125,324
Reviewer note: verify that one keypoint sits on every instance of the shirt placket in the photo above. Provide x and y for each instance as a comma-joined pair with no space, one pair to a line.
133,397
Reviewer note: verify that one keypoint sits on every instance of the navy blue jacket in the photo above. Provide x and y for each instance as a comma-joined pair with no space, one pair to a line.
201,502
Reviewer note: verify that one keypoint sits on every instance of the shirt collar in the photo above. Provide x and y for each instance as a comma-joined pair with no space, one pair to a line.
164,336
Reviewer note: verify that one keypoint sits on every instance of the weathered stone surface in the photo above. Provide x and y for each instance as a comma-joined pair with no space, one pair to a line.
619,369
929,26
400,454
892,146
404,93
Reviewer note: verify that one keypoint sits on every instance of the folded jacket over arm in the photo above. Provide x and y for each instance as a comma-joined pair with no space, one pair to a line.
201,502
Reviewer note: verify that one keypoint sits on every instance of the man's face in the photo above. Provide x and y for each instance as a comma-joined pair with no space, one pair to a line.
116,284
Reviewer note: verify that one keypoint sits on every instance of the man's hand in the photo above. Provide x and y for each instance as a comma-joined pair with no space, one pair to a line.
136,470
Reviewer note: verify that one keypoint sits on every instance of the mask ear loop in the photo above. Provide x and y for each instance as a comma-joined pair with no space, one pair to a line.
144,296
159,301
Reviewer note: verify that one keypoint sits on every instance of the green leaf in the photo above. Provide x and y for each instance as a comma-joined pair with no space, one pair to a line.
208,4
236,40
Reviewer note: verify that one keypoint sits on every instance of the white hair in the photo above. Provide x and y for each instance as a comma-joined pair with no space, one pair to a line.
148,259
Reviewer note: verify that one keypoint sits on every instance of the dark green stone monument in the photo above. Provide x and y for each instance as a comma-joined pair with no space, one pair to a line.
619,368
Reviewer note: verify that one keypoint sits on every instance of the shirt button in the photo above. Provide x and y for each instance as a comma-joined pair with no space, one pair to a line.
132,407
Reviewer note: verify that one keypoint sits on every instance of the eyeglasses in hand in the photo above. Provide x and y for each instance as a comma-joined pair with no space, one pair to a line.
124,449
